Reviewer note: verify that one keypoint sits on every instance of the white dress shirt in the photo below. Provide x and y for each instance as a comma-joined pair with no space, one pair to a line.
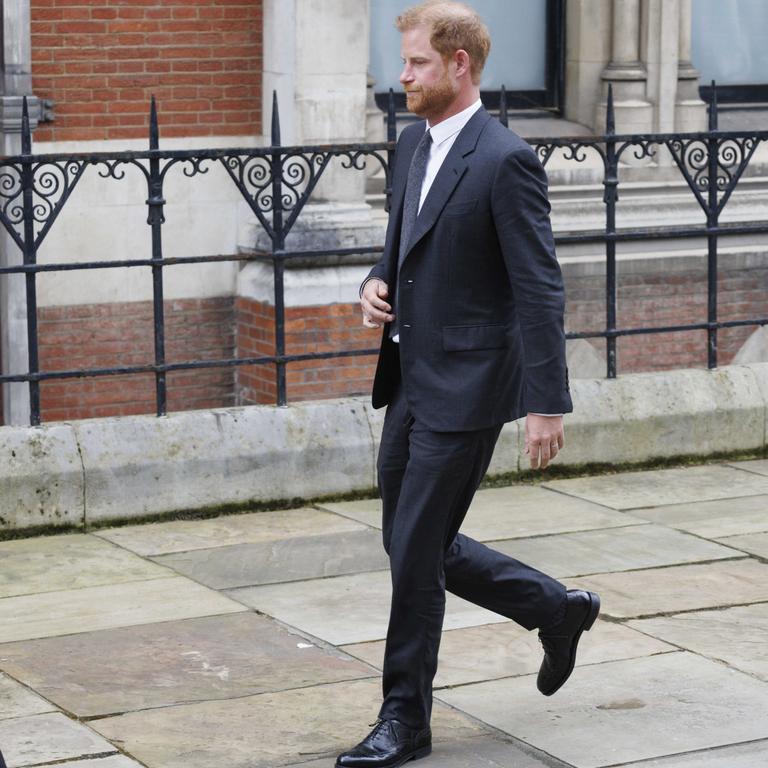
443,136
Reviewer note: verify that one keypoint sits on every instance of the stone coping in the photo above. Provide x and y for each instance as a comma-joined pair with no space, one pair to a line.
97,470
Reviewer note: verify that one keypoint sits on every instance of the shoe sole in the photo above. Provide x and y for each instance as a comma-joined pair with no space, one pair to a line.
589,620
419,753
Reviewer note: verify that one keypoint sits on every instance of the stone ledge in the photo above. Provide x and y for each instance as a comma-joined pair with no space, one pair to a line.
142,466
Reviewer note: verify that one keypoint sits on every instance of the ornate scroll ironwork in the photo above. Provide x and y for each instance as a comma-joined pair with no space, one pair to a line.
693,158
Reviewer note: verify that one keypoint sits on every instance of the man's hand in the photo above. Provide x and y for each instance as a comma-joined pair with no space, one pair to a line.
376,310
543,438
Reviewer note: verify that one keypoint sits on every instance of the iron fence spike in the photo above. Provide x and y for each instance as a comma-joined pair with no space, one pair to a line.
26,134
275,120
391,117
154,128
610,115
503,116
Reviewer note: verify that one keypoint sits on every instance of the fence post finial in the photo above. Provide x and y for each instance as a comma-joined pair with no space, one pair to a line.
154,129
26,134
610,115
503,116
391,117
275,120
713,108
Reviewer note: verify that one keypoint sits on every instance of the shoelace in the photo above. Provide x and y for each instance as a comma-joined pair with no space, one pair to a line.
377,726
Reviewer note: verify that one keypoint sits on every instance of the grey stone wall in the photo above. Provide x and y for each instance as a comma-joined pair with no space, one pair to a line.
98,470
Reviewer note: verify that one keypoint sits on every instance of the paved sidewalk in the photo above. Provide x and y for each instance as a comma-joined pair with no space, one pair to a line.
255,640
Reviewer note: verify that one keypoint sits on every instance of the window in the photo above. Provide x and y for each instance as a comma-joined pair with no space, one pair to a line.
527,54
729,44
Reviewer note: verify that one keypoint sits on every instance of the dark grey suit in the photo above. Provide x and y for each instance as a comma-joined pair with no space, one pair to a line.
480,291
480,310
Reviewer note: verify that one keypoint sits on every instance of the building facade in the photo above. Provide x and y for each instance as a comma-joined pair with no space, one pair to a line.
91,66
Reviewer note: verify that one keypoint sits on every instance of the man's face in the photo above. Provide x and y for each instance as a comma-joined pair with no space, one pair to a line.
430,84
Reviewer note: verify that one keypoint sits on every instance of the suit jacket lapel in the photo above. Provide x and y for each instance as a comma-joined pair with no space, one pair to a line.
453,168
399,179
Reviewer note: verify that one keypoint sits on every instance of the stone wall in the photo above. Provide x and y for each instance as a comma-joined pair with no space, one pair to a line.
88,472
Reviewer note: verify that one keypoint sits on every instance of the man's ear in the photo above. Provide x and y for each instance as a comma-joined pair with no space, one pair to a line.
463,64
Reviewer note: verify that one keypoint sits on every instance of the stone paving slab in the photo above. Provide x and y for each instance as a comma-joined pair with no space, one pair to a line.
625,711
366,511
216,657
347,609
505,513
493,651
713,519
477,752
736,636
183,535
106,607
680,588
111,761
632,490
760,466
271,729
18,701
269,562
45,738
753,543
612,549
750,755
532,510
51,563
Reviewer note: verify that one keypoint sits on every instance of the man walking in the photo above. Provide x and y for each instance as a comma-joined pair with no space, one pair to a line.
470,297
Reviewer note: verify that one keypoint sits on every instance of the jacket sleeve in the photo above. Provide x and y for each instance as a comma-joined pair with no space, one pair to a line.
520,210
382,269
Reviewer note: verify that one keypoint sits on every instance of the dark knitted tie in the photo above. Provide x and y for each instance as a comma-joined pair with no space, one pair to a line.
411,208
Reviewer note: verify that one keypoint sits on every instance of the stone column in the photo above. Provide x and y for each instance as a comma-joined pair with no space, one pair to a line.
588,51
322,99
626,72
15,82
690,110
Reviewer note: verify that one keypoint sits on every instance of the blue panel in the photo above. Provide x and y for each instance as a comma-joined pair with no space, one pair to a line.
730,41
518,51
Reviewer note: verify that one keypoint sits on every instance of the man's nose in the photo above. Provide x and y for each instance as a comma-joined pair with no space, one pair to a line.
406,75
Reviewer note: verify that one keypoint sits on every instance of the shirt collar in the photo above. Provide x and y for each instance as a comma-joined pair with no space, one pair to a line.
452,125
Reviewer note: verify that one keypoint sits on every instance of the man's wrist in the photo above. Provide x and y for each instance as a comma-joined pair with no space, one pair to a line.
365,282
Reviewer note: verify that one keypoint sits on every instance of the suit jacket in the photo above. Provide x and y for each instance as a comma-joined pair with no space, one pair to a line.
480,292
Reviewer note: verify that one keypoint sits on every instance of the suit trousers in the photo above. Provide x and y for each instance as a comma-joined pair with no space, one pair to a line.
427,480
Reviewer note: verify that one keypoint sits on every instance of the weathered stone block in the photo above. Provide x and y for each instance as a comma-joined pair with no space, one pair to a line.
41,477
145,465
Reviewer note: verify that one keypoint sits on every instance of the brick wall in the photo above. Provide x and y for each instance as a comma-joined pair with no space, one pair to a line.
105,335
307,329
111,335
668,299
100,60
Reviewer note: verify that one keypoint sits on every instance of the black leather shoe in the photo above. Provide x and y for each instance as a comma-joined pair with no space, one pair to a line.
560,641
388,745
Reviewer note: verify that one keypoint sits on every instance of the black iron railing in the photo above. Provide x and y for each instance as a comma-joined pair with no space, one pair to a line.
276,182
